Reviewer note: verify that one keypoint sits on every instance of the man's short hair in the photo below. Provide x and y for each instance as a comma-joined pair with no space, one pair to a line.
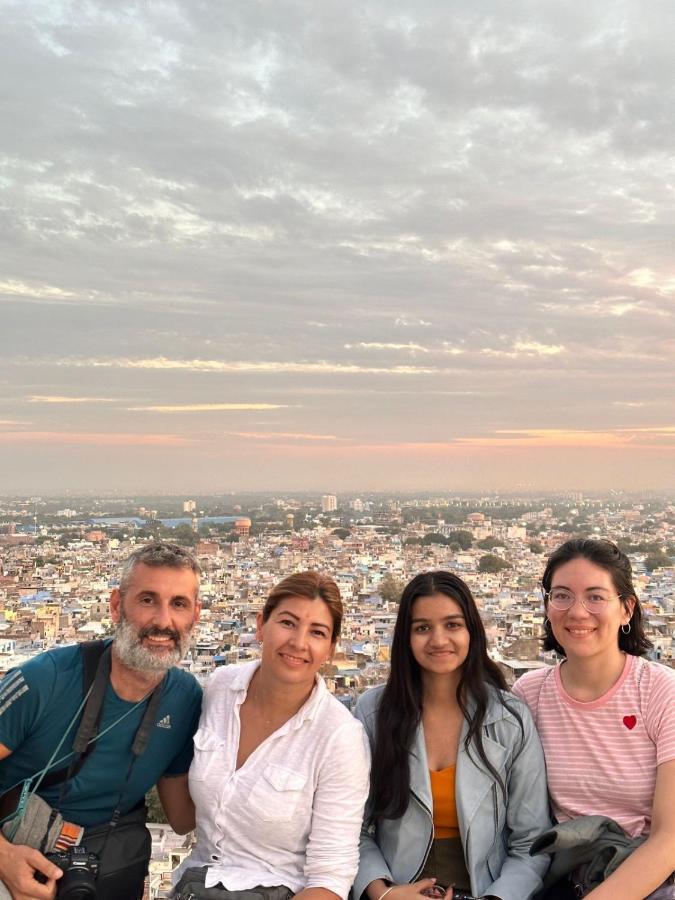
158,554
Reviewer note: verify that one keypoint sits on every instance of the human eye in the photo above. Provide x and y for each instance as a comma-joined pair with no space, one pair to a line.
560,595
286,622
146,599
420,629
453,626
180,602
319,632
598,600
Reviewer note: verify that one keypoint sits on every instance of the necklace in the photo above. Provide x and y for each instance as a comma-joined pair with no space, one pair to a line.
256,705
276,719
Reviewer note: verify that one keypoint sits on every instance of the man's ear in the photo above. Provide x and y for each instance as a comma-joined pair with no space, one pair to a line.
115,605
198,610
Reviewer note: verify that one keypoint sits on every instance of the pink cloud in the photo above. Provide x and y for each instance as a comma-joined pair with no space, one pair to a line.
94,439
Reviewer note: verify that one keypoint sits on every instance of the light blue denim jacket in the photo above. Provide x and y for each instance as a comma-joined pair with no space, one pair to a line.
496,836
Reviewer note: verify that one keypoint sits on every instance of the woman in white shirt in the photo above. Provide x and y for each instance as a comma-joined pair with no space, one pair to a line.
280,773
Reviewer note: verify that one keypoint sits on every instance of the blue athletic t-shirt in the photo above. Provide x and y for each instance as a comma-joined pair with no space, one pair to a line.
37,703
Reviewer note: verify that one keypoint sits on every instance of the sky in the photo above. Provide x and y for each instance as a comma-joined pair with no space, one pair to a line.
337,246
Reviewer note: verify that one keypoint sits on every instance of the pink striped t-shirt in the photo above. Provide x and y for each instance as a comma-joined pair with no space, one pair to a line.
601,757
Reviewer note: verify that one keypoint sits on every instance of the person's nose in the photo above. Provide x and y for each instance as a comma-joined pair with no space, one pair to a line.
162,617
438,637
577,609
299,636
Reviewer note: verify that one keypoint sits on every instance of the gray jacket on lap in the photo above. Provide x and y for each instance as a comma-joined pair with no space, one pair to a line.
597,844
496,836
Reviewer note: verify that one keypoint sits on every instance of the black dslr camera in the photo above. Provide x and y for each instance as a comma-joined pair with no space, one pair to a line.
80,869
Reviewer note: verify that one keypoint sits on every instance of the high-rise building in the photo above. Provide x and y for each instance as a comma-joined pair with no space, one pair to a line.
189,506
328,503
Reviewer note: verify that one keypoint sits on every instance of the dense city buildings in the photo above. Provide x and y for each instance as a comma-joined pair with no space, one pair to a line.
59,560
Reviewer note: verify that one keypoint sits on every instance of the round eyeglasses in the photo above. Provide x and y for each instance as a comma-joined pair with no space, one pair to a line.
562,599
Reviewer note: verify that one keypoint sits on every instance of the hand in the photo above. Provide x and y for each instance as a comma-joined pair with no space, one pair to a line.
18,865
416,890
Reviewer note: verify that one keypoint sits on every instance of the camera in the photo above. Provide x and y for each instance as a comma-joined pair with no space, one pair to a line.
80,869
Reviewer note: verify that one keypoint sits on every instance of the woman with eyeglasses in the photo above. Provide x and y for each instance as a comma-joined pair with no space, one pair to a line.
605,715
458,785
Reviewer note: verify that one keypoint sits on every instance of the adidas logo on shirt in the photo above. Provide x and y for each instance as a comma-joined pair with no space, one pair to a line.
165,722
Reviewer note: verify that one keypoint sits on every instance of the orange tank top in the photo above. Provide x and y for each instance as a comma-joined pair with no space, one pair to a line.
445,808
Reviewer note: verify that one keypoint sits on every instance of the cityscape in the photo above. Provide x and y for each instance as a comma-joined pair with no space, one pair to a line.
59,559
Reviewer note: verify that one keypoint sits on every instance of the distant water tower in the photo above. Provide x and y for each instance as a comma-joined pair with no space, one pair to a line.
242,527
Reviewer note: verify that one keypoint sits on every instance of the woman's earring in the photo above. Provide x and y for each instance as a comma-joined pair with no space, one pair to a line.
625,629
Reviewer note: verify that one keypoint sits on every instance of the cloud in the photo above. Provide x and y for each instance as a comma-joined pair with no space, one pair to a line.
103,439
267,367
647,278
640,404
56,399
538,349
14,288
208,407
366,214
283,435
374,345
657,429
406,321
525,348
572,438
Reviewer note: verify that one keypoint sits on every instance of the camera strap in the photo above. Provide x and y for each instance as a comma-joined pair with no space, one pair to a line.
14,801
137,749
85,738
84,744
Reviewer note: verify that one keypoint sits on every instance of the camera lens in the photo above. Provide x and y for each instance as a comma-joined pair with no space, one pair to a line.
78,883
76,886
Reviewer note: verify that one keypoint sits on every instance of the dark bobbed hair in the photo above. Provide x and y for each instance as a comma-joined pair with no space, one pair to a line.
400,709
308,586
614,561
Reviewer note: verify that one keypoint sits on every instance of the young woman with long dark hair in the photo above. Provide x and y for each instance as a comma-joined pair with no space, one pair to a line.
606,717
458,786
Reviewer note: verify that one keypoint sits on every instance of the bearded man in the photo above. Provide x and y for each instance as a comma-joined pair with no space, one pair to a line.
134,721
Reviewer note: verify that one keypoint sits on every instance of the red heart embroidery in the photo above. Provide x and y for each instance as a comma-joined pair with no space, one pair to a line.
630,722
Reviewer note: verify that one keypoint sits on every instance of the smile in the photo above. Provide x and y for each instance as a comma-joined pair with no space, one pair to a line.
293,660
580,632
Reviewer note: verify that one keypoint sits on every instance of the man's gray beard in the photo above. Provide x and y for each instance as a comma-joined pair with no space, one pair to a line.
130,650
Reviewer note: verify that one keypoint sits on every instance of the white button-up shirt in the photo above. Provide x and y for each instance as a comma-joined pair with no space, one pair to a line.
292,813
